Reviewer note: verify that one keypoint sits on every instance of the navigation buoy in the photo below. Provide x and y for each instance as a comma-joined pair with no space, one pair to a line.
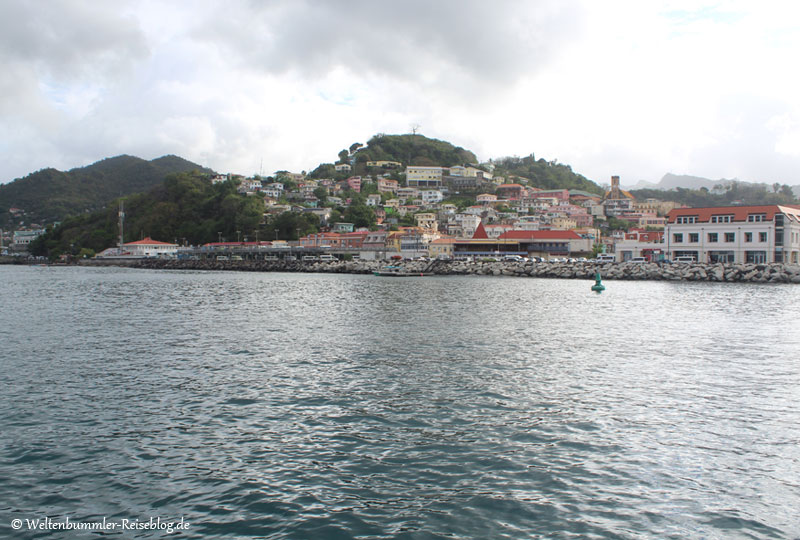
598,286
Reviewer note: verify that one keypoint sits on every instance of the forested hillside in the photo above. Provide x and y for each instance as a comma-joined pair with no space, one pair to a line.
51,195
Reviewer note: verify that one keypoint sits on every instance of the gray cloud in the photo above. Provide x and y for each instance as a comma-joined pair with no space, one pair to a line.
69,39
418,41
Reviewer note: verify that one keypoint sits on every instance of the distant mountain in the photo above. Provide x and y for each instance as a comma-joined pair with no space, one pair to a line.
51,195
674,181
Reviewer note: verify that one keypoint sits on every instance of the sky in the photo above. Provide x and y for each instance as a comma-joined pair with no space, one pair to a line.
630,88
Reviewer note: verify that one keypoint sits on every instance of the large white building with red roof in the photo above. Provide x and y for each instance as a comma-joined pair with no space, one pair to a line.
147,247
734,234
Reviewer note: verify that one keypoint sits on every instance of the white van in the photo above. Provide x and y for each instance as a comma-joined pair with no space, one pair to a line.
327,257
687,259
639,260
606,258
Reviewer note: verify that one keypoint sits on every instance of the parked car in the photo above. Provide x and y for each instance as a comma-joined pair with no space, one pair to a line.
326,257
605,258
683,260
513,258
639,260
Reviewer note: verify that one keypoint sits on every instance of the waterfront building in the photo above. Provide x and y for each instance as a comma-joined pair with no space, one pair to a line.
147,247
441,248
640,243
23,238
538,243
342,167
735,234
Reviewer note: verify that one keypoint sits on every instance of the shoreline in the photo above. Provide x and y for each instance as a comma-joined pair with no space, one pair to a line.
730,273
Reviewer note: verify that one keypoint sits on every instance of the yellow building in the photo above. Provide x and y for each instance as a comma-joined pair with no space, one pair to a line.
441,248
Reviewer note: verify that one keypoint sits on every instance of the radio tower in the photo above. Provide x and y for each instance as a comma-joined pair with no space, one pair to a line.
121,223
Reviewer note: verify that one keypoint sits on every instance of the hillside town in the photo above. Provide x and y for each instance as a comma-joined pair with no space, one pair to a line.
509,219
412,217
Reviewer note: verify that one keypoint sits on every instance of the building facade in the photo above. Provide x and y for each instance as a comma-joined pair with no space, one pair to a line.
734,234
430,177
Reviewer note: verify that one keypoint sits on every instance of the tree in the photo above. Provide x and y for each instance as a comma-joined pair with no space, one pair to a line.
354,147
343,155
321,193
359,214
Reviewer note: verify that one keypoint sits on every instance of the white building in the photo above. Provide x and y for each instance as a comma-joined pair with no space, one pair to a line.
431,196
23,238
734,234
148,247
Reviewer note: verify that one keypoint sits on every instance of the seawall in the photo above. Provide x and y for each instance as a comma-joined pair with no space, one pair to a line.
737,273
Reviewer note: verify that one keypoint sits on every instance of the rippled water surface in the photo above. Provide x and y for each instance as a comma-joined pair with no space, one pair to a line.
336,406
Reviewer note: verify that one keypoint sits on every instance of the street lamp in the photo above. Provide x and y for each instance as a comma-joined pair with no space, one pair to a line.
219,235
276,234
238,236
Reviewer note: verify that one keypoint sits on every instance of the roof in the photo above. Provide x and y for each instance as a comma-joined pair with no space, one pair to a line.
739,213
149,242
540,235
480,232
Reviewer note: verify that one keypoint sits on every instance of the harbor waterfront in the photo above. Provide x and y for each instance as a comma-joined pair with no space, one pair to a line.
735,272
332,405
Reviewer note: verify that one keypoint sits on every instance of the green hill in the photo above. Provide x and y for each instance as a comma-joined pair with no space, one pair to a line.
414,150
184,208
52,195
405,149
544,174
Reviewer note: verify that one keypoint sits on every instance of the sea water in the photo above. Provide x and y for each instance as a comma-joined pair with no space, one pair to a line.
272,405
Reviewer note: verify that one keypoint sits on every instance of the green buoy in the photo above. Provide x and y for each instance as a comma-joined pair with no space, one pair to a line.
598,286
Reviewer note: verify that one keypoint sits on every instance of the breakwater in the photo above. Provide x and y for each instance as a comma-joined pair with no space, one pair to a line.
745,273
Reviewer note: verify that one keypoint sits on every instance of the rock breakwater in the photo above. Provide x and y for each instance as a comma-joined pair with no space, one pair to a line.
739,273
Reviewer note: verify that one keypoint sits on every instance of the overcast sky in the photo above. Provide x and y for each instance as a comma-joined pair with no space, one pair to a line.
633,88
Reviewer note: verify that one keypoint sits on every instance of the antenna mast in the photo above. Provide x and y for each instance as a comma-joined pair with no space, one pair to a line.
121,224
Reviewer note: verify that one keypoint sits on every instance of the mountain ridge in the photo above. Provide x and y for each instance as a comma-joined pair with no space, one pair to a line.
51,195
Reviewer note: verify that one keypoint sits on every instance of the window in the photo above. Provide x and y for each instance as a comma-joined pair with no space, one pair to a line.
748,237
713,237
756,217
779,220
730,237
686,219
677,237
721,219
779,237
694,237
762,237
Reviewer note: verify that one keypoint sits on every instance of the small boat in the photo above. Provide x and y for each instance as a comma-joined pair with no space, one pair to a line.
397,271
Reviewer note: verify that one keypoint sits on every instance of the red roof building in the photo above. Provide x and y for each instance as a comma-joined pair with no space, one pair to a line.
734,234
